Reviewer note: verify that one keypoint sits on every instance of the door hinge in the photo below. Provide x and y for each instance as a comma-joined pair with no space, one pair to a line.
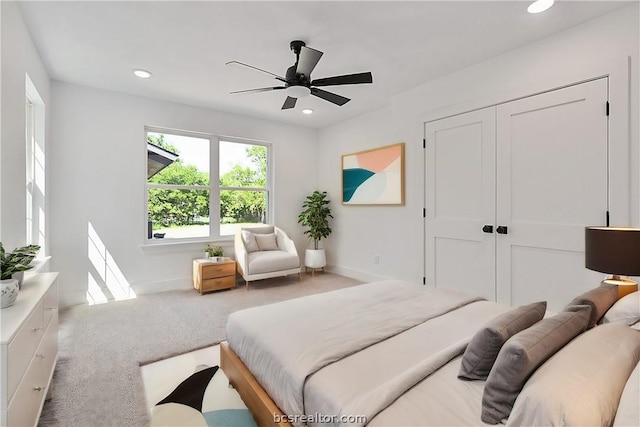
424,143
607,222
607,108
424,280
424,212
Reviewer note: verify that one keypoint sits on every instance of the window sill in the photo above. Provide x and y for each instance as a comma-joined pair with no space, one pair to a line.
38,264
158,246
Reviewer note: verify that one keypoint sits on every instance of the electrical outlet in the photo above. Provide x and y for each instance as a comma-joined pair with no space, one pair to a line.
376,259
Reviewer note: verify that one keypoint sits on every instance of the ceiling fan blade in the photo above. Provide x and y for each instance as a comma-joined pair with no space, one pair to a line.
328,96
251,67
347,79
261,89
289,103
308,60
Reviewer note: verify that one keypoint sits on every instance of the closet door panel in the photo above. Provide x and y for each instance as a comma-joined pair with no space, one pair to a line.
460,201
551,183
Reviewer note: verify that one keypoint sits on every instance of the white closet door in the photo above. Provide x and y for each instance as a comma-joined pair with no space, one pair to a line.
551,183
460,201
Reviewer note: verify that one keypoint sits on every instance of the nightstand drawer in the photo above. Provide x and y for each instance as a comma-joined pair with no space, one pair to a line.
218,270
219,283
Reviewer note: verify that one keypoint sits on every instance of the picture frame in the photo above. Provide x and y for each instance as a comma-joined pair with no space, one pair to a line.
374,177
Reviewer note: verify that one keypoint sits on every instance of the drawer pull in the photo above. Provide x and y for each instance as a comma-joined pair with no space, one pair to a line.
41,356
37,329
37,388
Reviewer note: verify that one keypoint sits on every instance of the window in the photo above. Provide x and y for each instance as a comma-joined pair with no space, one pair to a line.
202,187
35,209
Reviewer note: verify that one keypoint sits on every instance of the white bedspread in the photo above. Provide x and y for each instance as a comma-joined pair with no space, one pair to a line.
282,344
408,361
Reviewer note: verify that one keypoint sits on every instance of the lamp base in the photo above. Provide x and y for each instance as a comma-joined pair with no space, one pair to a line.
625,285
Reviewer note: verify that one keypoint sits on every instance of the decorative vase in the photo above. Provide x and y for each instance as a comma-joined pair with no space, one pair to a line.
8,292
315,258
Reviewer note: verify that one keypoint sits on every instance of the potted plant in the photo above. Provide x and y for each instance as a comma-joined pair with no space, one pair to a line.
214,252
316,216
12,266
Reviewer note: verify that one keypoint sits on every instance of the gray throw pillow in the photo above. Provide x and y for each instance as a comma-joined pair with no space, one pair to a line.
600,299
481,353
249,240
267,242
522,354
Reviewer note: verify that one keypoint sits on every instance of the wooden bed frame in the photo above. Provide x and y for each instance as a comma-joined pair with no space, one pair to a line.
260,404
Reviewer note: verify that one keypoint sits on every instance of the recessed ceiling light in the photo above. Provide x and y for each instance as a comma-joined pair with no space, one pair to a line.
307,111
539,6
143,74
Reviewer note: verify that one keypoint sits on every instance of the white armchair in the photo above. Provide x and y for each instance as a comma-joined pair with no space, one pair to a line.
265,252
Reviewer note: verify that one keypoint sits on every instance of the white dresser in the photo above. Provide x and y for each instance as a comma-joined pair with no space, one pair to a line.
29,350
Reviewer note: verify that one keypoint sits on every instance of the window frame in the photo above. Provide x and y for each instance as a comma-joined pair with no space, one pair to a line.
214,187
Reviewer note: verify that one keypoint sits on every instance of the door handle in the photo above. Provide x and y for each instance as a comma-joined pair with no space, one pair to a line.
487,228
502,229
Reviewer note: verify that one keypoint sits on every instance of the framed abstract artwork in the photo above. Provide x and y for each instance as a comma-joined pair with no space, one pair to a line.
374,177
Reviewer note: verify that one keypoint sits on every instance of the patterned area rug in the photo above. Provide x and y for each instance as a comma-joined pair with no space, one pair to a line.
191,390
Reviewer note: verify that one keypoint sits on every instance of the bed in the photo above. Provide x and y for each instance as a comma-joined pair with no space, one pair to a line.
390,353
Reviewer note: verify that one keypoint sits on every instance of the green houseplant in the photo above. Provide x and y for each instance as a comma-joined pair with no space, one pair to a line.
12,265
17,261
315,217
214,251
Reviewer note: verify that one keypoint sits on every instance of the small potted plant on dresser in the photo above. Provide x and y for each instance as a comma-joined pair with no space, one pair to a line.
316,216
214,253
13,265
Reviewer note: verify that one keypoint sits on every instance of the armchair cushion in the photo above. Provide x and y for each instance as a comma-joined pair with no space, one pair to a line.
271,261
266,242
249,240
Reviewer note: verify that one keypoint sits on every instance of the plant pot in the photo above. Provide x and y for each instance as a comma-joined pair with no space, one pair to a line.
315,258
8,292
19,276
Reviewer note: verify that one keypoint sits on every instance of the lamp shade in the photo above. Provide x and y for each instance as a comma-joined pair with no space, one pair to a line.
613,250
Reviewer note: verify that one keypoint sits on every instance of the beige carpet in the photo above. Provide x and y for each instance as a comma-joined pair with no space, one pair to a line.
97,381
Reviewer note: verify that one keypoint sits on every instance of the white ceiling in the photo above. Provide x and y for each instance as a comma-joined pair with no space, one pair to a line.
186,45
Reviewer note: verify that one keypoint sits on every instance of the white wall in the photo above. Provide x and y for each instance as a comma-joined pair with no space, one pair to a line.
99,171
19,56
396,233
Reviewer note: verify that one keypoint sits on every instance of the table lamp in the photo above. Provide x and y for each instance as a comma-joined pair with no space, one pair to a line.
615,251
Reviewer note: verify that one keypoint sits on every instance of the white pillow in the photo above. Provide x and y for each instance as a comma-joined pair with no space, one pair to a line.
629,408
267,242
626,310
249,240
581,384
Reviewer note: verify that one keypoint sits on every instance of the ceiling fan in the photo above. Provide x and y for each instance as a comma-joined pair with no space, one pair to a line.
297,82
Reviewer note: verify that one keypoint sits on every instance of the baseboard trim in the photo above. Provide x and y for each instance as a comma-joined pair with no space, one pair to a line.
150,287
355,274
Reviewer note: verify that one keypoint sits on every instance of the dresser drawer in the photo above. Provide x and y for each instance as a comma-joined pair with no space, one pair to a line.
26,404
218,270
50,303
21,349
219,283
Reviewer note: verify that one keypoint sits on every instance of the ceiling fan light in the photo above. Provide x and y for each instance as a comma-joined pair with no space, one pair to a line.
539,6
298,91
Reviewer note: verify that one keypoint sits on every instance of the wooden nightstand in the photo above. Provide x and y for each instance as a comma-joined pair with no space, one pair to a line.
212,276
